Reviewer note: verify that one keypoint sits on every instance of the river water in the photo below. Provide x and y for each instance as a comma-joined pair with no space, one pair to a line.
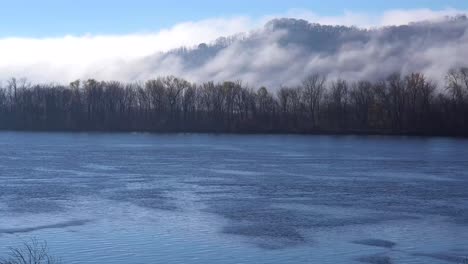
189,198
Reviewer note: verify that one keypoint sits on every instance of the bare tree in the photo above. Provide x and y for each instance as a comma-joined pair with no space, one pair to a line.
457,83
362,98
338,102
398,104
313,88
33,252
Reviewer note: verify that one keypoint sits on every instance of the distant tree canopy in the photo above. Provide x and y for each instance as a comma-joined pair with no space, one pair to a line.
409,104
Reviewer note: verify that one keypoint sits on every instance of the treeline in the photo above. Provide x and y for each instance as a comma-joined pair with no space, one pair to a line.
409,104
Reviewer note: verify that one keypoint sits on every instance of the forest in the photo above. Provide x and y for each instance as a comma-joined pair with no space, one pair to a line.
400,104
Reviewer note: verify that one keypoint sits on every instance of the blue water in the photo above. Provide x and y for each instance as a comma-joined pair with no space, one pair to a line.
144,198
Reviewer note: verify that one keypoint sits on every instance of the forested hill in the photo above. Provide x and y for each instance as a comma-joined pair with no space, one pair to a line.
285,51
290,76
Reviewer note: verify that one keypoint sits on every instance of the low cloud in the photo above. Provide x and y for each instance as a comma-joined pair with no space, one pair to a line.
261,57
396,17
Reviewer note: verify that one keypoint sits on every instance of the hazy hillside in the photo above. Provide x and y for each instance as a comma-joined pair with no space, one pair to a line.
286,50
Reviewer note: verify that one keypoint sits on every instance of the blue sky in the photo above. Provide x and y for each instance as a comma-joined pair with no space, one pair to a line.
46,18
65,40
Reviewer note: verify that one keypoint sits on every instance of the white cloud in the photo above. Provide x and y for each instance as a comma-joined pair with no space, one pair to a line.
402,17
121,57
78,49
395,17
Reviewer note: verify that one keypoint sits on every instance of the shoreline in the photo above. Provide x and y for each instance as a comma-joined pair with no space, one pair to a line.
246,132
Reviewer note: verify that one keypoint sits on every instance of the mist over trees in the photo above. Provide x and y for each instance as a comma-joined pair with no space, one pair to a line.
282,52
409,104
286,50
